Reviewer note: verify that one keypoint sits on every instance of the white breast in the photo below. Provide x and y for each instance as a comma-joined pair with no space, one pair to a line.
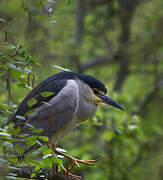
86,108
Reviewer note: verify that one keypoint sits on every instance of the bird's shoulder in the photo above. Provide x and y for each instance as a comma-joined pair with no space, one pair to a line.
57,112
43,92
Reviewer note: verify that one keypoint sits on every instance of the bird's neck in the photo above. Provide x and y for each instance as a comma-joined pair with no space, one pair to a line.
86,107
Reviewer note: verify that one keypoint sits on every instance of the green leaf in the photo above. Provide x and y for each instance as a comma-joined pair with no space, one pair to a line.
57,160
13,167
14,131
2,20
60,157
37,130
108,135
29,112
10,177
46,94
7,144
48,155
4,134
47,151
33,175
27,70
37,168
44,138
31,140
132,127
13,159
61,149
50,11
23,135
2,160
29,125
2,130
20,117
38,142
47,162
53,21
34,162
19,149
31,102
16,74
12,66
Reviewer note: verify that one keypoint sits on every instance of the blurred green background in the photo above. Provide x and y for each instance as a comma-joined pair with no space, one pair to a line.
119,42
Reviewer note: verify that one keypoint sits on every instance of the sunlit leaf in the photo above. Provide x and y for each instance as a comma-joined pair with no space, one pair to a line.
13,159
32,102
7,144
20,117
50,11
60,149
108,135
47,162
2,130
38,142
53,21
20,149
48,155
10,177
44,138
4,134
2,20
29,112
47,151
56,160
33,175
3,160
46,94
37,168
12,66
29,125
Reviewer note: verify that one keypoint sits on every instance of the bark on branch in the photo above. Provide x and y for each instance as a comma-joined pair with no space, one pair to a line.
150,96
26,171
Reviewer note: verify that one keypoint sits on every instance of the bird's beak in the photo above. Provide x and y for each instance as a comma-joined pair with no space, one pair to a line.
107,100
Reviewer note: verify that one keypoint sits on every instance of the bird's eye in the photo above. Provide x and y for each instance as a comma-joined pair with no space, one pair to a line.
96,92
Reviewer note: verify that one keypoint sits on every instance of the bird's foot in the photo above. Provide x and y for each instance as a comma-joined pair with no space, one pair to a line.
68,173
75,161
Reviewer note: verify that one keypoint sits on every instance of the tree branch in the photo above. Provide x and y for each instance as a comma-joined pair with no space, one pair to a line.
127,10
150,96
26,171
100,60
80,13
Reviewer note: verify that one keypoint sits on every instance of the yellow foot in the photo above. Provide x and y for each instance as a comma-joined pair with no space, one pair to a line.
72,159
68,173
75,161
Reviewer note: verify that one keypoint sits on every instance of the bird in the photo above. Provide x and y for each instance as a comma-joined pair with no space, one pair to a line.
58,104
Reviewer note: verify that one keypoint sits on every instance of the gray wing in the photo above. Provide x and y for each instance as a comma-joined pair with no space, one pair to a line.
56,113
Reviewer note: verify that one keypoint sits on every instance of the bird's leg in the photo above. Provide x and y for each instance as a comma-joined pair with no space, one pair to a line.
53,153
66,171
75,161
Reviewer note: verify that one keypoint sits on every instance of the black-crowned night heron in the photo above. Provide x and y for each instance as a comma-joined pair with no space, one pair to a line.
61,102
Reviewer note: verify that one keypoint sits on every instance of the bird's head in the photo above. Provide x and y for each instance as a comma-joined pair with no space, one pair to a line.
99,91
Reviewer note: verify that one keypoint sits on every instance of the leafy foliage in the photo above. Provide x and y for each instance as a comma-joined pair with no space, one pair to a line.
119,42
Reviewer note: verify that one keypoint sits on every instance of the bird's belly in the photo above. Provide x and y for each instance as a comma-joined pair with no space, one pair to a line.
85,112
62,132
81,114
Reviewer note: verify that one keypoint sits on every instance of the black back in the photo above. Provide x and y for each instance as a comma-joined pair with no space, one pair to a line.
55,84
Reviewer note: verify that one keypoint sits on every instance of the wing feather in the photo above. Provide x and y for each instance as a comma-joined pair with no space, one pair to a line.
58,112
36,98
